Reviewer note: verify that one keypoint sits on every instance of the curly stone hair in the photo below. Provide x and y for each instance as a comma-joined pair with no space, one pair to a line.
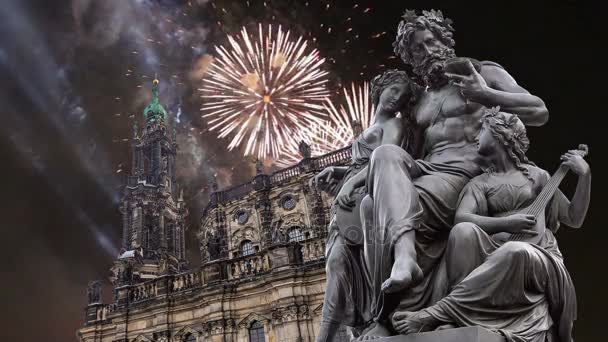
429,20
385,79
510,132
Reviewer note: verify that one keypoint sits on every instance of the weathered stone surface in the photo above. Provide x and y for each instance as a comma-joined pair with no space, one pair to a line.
469,334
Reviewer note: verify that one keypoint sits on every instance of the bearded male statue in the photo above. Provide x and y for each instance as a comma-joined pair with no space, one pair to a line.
412,197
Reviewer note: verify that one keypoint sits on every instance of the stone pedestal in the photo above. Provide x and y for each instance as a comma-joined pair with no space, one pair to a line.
469,334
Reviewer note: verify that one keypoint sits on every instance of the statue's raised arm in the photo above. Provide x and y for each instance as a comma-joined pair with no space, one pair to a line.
492,86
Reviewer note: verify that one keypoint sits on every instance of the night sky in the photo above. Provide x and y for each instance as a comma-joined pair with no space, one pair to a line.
74,75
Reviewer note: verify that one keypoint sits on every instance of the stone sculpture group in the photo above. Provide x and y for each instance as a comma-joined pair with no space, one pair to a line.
440,221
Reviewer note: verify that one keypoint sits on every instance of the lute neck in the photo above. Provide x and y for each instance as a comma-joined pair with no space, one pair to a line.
541,201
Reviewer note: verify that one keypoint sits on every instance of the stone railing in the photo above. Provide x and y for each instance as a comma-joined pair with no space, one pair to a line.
99,313
285,174
173,283
341,156
280,257
313,250
184,281
247,266
143,291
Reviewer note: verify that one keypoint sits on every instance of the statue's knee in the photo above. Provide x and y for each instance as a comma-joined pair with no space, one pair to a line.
388,152
462,233
514,249
366,208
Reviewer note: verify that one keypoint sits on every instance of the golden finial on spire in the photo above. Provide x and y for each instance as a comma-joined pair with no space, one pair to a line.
156,81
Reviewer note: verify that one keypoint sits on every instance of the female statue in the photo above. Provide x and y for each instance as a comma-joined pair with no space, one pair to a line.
347,296
519,289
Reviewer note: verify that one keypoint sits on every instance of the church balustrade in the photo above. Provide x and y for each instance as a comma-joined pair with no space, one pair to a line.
143,291
248,266
184,281
100,314
314,249
237,192
340,156
285,174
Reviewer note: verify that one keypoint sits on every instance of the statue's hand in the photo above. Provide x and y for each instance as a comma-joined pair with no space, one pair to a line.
472,86
520,223
324,177
344,198
576,163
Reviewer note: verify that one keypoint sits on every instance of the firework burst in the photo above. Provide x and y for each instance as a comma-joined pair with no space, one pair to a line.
356,110
262,89
321,137
354,114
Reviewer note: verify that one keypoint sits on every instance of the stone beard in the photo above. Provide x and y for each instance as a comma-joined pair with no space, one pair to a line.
431,71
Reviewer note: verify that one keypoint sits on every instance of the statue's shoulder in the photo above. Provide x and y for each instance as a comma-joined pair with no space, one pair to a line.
491,64
479,180
537,173
495,73
492,70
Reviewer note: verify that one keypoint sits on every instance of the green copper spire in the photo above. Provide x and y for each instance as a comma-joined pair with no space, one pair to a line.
155,109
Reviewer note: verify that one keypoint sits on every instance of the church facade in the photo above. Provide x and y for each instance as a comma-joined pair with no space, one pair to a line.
262,244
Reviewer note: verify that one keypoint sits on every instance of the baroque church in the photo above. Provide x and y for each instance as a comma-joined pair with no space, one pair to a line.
262,244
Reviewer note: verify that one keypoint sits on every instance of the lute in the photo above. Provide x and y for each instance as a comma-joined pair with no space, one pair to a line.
537,208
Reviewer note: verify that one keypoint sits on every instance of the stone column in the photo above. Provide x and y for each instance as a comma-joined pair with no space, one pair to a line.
161,231
156,161
124,210
182,241
136,227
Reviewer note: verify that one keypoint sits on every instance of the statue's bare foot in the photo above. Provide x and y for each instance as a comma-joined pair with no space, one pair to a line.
405,273
408,322
379,330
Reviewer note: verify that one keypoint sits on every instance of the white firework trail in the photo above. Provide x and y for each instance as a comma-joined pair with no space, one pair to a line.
356,107
338,131
261,89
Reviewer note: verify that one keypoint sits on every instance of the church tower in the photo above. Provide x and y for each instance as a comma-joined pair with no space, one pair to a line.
153,208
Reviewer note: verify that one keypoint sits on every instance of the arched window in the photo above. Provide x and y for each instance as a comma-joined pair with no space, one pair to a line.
295,235
190,338
256,332
247,248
